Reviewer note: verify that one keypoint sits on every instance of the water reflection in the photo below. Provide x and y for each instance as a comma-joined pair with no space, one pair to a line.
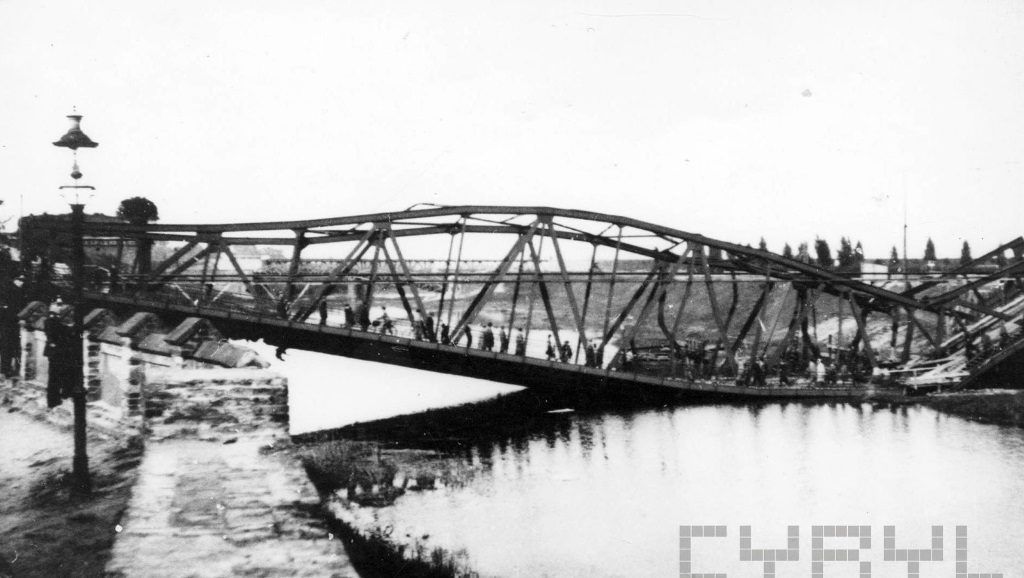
603,495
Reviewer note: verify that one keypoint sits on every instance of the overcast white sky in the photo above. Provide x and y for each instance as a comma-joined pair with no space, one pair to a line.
734,118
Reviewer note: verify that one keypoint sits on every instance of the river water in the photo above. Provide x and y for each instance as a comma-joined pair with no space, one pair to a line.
605,494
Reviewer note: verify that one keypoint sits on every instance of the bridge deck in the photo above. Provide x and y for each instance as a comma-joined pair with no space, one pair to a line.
407,351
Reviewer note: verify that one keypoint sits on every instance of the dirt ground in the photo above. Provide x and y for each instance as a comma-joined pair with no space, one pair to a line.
44,532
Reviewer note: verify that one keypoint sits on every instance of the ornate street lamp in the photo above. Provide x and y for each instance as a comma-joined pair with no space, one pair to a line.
75,139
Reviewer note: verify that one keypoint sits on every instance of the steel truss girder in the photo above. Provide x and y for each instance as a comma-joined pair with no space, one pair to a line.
328,231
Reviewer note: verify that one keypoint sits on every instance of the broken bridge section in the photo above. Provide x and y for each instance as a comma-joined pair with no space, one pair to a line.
635,300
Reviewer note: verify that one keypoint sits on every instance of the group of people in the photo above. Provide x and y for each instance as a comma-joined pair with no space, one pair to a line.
62,349
593,355
838,366
488,337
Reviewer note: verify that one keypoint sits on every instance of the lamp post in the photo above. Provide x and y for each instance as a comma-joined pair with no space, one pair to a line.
74,139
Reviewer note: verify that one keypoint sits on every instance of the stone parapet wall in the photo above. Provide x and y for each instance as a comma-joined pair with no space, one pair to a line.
118,355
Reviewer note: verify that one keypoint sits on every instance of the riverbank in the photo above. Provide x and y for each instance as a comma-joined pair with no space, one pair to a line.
355,478
44,532
991,406
995,406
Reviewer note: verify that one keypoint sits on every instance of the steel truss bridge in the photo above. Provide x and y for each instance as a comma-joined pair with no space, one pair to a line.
638,304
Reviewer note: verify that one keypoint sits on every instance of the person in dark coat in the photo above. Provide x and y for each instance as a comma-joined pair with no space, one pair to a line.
12,301
322,307
428,326
502,340
350,316
364,316
520,342
566,351
469,336
487,339
445,336
61,354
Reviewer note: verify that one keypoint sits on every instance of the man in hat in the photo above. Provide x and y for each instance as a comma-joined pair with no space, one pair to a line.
60,350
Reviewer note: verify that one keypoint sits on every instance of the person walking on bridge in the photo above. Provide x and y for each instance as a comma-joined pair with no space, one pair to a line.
428,326
350,316
322,307
487,339
503,340
566,351
469,336
387,327
520,342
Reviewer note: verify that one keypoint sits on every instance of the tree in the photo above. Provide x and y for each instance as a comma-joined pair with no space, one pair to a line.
787,251
803,254
140,211
762,245
858,254
929,250
824,253
845,254
965,254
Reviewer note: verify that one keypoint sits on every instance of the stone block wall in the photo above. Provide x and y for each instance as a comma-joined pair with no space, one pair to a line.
215,403
119,358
